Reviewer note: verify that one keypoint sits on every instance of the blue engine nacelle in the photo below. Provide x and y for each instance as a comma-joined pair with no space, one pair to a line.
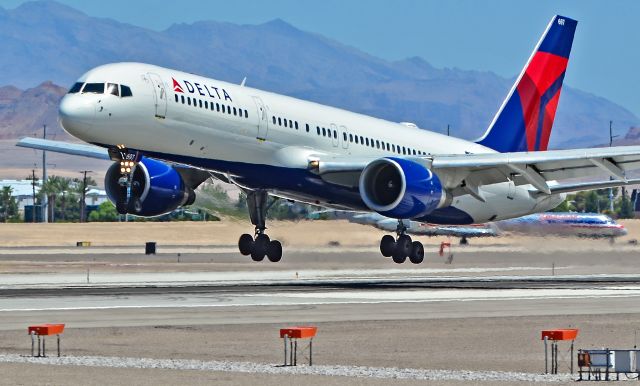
401,188
156,188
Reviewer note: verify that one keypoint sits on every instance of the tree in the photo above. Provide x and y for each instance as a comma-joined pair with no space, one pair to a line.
625,209
82,187
8,204
105,212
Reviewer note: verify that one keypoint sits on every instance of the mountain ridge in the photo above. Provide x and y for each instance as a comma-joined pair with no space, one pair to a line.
48,40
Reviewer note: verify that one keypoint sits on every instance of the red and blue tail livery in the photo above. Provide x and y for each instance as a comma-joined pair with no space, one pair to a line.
525,118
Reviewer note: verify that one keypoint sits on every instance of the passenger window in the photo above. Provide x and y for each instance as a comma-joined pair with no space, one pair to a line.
367,141
318,129
75,88
200,102
229,110
361,140
285,122
274,120
234,111
125,91
189,101
182,98
218,107
377,144
279,121
290,124
307,127
246,114
93,88
296,123
335,134
176,96
344,137
206,105
112,89
324,132
350,137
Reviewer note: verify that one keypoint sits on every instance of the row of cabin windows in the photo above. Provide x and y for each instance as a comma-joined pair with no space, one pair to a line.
359,140
219,107
286,123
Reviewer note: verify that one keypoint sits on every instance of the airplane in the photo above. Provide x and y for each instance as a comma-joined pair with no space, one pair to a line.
565,224
168,131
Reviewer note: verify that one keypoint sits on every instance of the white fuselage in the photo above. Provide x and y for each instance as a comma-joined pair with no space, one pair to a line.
264,140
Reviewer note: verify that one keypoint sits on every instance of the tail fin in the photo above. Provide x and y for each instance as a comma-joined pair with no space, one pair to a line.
525,118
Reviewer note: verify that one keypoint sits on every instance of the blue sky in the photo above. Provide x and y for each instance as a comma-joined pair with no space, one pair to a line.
491,35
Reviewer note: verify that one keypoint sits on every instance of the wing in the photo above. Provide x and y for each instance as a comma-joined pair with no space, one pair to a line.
79,149
465,173
192,177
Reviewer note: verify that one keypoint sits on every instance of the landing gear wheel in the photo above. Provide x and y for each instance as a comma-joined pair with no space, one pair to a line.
274,251
245,244
387,245
121,207
399,257
260,247
403,246
417,252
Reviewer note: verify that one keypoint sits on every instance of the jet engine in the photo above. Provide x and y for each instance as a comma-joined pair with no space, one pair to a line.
401,188
156,188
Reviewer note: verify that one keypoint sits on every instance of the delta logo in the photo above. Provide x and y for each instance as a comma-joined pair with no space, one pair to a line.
201,89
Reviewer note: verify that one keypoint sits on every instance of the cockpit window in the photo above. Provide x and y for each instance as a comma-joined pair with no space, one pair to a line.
125,91
112,89
75,88
93,88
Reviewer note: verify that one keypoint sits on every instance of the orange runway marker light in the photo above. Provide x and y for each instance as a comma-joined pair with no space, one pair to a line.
560,334
300,332
46,329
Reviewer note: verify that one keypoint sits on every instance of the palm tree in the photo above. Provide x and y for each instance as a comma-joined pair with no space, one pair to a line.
52,188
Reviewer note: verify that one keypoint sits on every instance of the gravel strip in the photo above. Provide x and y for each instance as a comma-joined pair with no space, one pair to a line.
248,367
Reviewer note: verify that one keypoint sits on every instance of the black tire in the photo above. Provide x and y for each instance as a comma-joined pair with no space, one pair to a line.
387,245
260,247
121,207
274,251
403,246
417,252
245,244
399,257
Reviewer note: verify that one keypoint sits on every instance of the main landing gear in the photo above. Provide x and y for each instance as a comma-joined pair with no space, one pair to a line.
402,247
260,245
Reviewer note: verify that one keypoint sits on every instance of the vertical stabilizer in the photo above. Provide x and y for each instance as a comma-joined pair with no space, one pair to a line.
525,118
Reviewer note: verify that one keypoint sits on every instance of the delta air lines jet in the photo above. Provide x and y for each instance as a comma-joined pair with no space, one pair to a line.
168,131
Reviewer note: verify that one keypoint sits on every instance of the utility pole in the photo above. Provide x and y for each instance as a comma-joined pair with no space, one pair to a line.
611,137
33,189
45,199
83,205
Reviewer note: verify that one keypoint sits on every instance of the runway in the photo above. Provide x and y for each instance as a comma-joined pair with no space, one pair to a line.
481,313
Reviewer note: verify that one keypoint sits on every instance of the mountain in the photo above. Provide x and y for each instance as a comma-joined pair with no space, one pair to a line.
23,112
49,41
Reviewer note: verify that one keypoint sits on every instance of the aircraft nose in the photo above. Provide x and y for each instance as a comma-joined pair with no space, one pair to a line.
76,113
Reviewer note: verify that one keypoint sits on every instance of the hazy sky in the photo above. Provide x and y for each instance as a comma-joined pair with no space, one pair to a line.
492,35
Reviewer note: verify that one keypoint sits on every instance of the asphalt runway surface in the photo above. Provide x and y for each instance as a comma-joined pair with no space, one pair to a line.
492,298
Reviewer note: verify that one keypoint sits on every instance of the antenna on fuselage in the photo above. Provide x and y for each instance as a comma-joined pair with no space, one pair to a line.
243,82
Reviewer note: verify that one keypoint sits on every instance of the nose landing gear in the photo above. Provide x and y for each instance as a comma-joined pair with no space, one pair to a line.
402,247
129,198
260,245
